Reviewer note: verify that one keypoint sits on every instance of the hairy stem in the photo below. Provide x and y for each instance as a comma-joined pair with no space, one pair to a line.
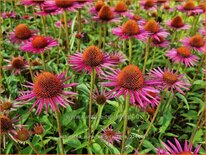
130,51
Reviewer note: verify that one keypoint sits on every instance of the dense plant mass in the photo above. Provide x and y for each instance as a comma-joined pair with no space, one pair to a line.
103,77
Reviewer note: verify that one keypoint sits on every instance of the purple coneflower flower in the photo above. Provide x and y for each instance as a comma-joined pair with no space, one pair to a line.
105,15
48,90
61,23
82,3
38,44
130,29
167,7
160,42
177,24
195,42
148,4
16,64
38,129
160,2
8,15
189,7
176,148
21,34
45,11
168,79
130,80
110,135
117,57
101,97
92,57
138,19
95,9
33,2
154,30
122,9
8,105
182,55
203,31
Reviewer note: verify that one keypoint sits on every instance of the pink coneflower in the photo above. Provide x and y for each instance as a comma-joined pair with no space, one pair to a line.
176,148
48,90
105,15
45,11
117,57
21,34
38,129
8,15
168,79
83,3
33,2
130,80
148,4
22,135
203,31
95,9
160,42
138,19
8,105
101,97
16,64
60,23
195,42
130,29
7,128
182,55
177,23
111,135
167,8
155,30
61,5
155,100
91,57
160,2
121,9
189,7
27,17
38,44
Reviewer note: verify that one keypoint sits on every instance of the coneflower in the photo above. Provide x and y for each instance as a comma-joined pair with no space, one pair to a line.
182,55
148,4
95,9
111,135
122,9
8,105
177,23
61,24
195,42
8,15
33,2
161,42
189,7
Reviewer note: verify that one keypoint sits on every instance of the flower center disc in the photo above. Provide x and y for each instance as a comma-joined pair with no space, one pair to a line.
184,51
22,31
161,1
155,41
38,1
99,5
130,28
23,134
92,56
6,105
5,124
185,153
189,6
39,42
169,78
196,41
38,129
149,3
177,22
110,133
151,26
47,85
101,99
17,63
166,7
136,17
64,3
130,77
120,7
105,13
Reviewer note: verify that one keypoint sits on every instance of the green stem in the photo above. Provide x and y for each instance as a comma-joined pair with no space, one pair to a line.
52,23
43,61
130,51
100,37
32,146
127,103
105,33
146,55
153,57
90,105
30,69
59,131
67,32
153,119
98,117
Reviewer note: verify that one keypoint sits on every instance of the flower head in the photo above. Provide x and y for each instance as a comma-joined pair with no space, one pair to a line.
8,15
110,135
182,55
38,44
33,2
38,129
130,80
176,148
61,23
22,33
195,42
148,4
92,57
168,79
101,97
189,7
159,42
177,23
48,89
8,105
22,135
130,29
121,9
98,5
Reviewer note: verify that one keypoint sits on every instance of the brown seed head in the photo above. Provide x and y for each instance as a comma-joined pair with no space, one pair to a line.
196,41
184,51
130,28
64,3
120,7
106,13
169,78
151,26
22,31
39,42
17,63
